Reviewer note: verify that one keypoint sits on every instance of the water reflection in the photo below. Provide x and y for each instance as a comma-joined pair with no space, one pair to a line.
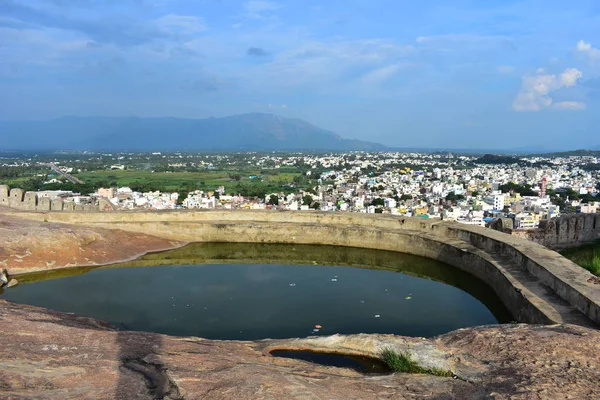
272,291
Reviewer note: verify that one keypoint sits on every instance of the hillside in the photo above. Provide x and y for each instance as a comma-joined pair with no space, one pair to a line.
240,132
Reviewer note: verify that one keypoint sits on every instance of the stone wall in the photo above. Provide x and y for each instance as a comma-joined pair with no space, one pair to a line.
558,233
536,284
29,201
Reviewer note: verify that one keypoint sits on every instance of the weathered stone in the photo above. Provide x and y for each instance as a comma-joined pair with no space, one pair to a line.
56,205
4,195
46,354
13,282
16,198
68,206
43,204
28,246
563,232
3,277
30,201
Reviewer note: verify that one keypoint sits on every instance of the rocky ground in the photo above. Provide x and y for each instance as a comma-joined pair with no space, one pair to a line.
50,355
28,246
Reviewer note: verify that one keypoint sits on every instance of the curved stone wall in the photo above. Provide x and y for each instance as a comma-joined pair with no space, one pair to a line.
536,284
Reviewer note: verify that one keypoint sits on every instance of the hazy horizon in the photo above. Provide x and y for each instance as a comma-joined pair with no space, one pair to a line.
504,74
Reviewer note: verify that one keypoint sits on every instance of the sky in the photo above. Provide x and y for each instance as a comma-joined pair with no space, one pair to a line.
432,73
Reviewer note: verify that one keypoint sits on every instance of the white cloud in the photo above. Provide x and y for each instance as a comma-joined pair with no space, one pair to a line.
256,8
379,75
570,105
535,90
505,69
583,46
592,53
277,107
181,24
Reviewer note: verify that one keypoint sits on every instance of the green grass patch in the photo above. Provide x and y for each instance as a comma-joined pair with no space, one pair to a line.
587,256
402,362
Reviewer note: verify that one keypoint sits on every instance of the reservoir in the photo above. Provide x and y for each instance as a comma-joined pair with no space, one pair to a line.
257,291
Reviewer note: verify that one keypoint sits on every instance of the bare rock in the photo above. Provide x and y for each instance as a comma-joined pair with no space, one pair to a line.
13,282
52,355
29,246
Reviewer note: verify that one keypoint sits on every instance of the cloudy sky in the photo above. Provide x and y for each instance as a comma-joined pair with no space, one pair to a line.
461,73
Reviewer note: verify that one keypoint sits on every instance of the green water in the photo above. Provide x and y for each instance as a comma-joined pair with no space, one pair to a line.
255,291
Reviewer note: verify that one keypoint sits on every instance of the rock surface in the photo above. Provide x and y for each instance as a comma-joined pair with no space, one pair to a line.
28,246
50,355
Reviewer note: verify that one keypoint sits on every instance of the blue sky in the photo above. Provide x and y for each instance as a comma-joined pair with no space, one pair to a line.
461,73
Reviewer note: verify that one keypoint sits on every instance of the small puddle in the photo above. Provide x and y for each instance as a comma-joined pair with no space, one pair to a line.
366,365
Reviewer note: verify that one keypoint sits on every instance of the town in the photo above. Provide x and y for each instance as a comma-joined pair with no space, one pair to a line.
470,189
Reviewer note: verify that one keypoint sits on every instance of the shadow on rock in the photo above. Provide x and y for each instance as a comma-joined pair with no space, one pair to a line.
143,375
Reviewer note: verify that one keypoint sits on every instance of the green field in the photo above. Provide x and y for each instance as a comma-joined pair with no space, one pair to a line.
235,181
588,256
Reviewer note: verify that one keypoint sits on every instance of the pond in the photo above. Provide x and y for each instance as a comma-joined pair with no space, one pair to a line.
257,291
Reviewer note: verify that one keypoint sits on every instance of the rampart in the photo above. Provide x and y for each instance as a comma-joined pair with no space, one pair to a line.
536,284
29,201
558,233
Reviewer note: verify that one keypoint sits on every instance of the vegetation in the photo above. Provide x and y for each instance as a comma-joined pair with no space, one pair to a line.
402,362
497,159
587,256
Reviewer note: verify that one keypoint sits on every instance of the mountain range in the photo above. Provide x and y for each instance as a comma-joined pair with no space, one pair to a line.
254,131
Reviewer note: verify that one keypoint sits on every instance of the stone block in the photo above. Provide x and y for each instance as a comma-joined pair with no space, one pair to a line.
56,205
16,198
563,230
43,204
79,207
68,206
30,201
4,193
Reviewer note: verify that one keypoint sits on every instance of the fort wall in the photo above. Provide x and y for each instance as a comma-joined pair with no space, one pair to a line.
565,231
29,201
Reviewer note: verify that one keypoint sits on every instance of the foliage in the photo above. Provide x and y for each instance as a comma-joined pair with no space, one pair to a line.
273,200
454,197
307,199
402,362
496,159
523,190
378,202
587,256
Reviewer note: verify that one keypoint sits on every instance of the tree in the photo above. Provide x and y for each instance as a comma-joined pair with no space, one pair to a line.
406,197
273,200
316,205
454,197
378,202
475,193
307,199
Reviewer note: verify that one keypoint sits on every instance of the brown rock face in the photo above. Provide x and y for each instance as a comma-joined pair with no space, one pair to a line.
52,355
28,246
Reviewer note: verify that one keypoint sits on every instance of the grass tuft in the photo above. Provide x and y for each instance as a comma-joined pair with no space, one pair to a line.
587,256
402,362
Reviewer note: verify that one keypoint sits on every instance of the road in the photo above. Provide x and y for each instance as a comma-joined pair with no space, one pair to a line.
70,178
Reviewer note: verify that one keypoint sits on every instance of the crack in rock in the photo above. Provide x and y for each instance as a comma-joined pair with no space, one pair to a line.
157,380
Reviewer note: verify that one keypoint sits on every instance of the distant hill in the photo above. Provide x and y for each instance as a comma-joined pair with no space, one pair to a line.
578,153
253,131
496,159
